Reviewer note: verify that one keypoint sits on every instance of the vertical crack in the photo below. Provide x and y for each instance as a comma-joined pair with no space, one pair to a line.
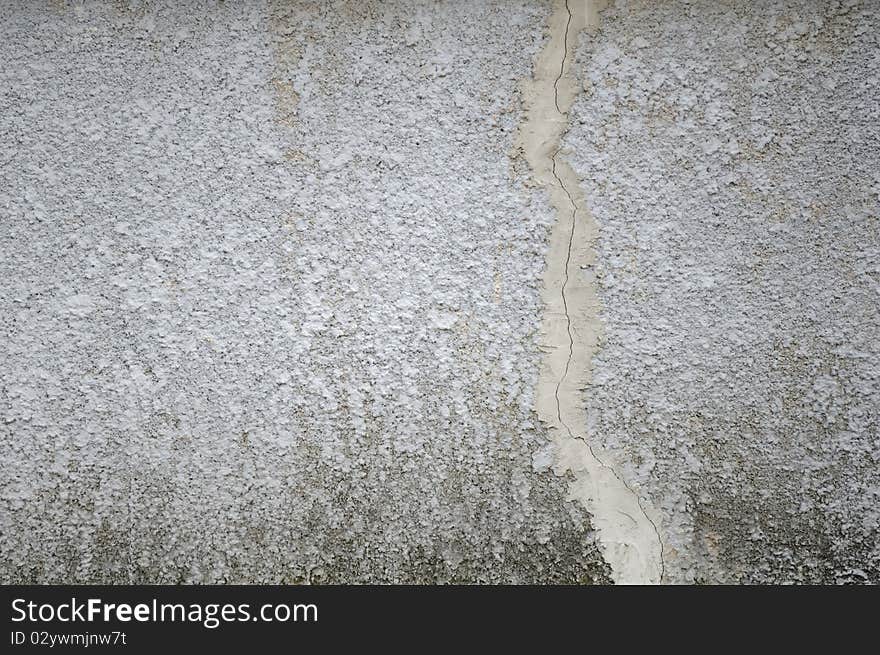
561,73
565,277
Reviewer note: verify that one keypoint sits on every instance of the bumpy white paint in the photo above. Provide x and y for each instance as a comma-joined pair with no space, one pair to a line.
729,154
272,291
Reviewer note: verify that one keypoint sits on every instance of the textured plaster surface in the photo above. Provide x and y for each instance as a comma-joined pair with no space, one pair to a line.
271,291
281,288
730,152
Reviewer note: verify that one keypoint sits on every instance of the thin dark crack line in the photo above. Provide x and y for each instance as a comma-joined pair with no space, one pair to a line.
561,66
562,379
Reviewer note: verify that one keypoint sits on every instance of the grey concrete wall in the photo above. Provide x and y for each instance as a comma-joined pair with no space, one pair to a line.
730,152
286,284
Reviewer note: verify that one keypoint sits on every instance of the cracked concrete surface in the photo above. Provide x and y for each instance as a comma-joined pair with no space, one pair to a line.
571,327
519,291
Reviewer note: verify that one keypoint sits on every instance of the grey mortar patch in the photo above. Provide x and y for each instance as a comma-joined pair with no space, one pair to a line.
571,331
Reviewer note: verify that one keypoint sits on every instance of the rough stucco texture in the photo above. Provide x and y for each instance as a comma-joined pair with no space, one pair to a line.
730,152
272,282
270,293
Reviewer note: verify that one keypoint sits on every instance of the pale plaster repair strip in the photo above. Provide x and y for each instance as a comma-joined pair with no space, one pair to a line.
571,328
